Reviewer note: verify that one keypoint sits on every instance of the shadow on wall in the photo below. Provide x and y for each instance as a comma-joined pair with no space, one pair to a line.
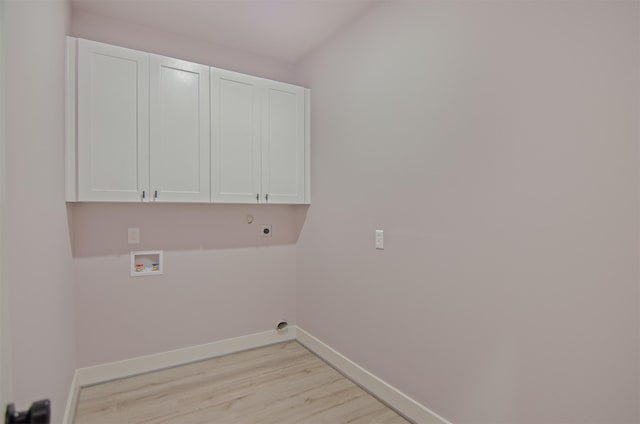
99,229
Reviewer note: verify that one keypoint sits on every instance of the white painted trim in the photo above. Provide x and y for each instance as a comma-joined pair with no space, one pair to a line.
72,400
402,403
387,393
143,364
307,146
71,191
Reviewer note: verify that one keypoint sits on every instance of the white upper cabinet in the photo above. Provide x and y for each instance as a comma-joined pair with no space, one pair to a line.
179,147
113,122
235,137
143,127
283,147
258,140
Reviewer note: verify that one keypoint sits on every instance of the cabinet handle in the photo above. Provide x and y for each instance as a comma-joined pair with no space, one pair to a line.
155,194
266,197
144,194
258,198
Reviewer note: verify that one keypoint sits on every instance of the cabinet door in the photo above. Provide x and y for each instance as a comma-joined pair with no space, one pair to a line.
235,138
113,122
283,143
179,146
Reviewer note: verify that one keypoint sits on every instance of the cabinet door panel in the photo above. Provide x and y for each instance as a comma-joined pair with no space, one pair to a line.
179,130
113,138
283,144
235,141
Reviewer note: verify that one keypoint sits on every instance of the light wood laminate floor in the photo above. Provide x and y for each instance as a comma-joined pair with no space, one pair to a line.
283,383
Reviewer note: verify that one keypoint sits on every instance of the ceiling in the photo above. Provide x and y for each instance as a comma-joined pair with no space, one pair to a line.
285,30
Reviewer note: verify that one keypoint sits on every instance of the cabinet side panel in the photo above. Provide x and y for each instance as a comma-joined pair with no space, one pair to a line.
71,179
307,146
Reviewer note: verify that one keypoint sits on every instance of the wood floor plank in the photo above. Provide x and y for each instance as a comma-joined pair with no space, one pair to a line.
279,384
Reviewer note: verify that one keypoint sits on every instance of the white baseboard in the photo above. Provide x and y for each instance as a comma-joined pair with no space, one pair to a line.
72,399
143,364
393,397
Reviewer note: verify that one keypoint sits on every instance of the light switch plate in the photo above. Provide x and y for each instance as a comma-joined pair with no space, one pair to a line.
380,239
133,235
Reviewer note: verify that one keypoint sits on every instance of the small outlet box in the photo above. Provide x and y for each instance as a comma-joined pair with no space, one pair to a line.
266,231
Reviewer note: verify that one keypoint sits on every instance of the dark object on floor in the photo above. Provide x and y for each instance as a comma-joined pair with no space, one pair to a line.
39,413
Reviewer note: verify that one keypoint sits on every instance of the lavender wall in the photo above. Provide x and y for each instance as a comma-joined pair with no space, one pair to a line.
222,278
496,143
38,256
107,30
5,339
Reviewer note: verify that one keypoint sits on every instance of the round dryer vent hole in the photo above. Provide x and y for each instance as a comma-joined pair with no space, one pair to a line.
281,326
